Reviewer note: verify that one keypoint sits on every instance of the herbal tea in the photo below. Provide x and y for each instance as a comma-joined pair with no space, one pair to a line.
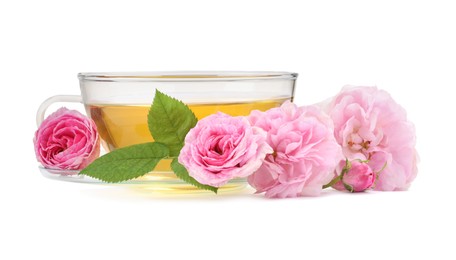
119,103
124,125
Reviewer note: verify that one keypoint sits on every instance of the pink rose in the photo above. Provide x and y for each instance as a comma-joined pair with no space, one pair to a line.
66,140
370,125
220,148
305,151
358,176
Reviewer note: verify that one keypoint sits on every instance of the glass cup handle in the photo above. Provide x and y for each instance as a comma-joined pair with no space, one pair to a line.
54,99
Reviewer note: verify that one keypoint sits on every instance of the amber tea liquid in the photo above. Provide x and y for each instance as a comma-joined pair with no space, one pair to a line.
124,125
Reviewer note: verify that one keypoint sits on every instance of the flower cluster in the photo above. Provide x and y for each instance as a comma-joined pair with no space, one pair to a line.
359,140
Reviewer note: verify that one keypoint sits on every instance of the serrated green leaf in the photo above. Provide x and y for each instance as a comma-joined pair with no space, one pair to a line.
182,173
127,163
169,121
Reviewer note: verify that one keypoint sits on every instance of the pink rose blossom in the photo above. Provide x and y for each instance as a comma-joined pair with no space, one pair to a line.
66,140
358,177
305,151
370,125
220,148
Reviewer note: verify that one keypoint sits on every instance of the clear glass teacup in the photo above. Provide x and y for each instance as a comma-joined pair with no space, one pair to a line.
119,103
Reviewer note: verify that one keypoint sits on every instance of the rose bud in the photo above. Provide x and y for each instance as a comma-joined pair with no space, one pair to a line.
357,176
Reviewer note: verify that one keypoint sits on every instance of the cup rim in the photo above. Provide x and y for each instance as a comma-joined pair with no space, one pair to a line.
153,76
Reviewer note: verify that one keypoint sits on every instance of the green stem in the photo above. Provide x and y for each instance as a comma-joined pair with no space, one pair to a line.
338,178
377,174
334,181
384,166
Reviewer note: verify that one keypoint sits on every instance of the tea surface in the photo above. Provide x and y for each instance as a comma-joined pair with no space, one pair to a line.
124,125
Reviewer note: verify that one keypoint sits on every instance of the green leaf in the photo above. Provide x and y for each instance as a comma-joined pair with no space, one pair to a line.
169,121
126,163
182,173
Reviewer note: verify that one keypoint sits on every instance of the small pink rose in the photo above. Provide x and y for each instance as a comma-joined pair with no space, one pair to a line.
220,148
66,140
305,151
358,177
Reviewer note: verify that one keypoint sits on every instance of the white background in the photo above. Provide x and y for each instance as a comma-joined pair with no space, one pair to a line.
406,48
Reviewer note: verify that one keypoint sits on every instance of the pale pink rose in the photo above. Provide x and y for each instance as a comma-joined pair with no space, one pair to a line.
370,125
305,151
359,177
221,147
66,140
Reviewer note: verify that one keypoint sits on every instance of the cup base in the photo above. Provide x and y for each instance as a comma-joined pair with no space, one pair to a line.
159,182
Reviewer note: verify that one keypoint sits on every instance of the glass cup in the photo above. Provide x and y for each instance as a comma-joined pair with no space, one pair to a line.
119,103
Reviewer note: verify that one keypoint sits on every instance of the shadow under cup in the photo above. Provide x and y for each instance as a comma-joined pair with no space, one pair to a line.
119,104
